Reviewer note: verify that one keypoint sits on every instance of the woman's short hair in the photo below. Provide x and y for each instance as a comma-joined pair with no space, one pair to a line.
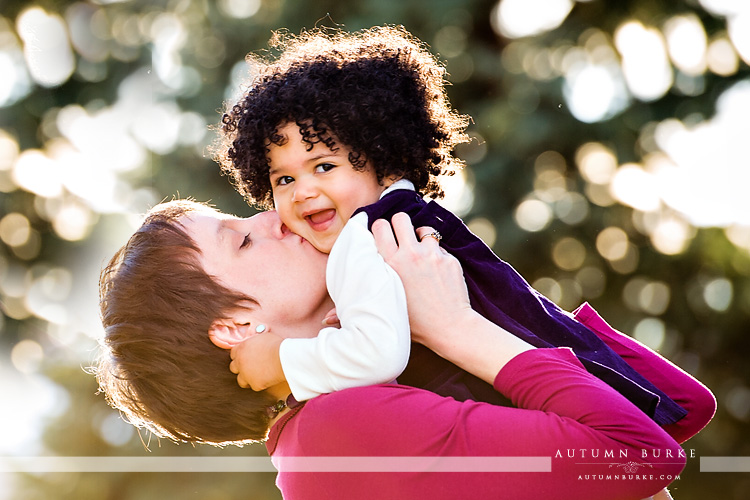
379,91
157,364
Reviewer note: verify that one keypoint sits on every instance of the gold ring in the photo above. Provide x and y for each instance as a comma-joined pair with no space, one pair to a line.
433,234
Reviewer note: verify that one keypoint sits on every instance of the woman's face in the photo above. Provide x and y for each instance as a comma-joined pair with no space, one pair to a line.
260,257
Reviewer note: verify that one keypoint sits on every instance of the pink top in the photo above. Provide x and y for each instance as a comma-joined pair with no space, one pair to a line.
679,385
594,440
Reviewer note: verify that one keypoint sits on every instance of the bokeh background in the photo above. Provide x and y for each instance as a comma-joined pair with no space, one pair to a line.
610,164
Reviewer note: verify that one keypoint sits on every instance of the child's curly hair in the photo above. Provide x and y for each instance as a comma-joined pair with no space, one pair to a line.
378,91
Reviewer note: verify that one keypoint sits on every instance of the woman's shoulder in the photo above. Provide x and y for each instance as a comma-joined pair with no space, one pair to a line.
360,417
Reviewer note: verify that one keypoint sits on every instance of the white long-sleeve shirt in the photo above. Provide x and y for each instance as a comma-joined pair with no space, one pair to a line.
372,344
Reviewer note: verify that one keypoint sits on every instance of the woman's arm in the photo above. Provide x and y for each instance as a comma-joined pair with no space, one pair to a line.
592,438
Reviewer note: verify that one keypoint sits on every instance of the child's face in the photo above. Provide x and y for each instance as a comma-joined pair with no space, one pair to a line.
316,192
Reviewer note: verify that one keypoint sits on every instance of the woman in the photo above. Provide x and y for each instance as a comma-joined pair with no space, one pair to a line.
162,370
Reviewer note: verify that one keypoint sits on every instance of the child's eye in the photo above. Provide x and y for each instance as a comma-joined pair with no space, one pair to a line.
283,180
325,167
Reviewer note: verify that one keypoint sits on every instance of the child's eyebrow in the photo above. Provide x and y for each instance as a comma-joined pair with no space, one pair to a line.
320,156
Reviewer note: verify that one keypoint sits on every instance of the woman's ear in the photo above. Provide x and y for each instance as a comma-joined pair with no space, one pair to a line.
227,333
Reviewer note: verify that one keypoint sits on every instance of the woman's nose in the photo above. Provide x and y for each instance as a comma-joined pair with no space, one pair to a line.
269,223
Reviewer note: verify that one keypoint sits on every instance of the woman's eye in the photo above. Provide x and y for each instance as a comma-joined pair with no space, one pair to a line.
245,241
284,180
325,167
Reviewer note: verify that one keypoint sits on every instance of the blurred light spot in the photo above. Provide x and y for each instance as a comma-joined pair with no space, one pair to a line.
524,99
15,229
34,400
593,282
27,356
596,162
30,249
628,263
14,307
169,36
37,174
550,160
114,430
569,254
594,92
46,48
686,41
599,194
718,294
240,9
46,294
645,65
636,188
739,32
474,151
210,52
16,280
739,235
192,128
708,175
518,18
15,83
450,41
724,7
654,298
460,68
722,58
126,30
550,186
737,402
631,293
572,208
612,243
513,56
571,294
650,331
81,19
459,195
533,215
550,288
105,133
671,235
158,127
73,221
484,229
9,150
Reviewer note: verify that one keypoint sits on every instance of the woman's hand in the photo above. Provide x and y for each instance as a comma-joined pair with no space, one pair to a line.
440,315
436,293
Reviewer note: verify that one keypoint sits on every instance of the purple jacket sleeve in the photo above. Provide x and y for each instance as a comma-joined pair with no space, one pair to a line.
680,386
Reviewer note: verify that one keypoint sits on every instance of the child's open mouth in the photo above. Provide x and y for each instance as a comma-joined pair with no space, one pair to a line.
319,219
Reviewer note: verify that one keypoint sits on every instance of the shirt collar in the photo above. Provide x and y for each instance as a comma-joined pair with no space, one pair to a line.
399,184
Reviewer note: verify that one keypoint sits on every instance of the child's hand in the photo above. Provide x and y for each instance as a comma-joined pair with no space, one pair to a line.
256,362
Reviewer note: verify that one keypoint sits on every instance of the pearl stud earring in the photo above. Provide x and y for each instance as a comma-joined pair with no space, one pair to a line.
260,328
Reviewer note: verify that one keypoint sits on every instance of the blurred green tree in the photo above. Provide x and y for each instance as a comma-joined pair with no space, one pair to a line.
588,119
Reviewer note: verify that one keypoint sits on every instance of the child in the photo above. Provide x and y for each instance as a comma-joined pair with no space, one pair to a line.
344,121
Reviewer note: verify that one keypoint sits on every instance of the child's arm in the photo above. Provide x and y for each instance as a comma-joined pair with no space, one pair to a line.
372,344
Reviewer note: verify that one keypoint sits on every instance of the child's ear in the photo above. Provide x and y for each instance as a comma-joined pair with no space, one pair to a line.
227,333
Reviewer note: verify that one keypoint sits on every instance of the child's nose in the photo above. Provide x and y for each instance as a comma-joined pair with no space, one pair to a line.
304,189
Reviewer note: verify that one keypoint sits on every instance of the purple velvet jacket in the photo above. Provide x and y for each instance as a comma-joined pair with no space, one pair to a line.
504,297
